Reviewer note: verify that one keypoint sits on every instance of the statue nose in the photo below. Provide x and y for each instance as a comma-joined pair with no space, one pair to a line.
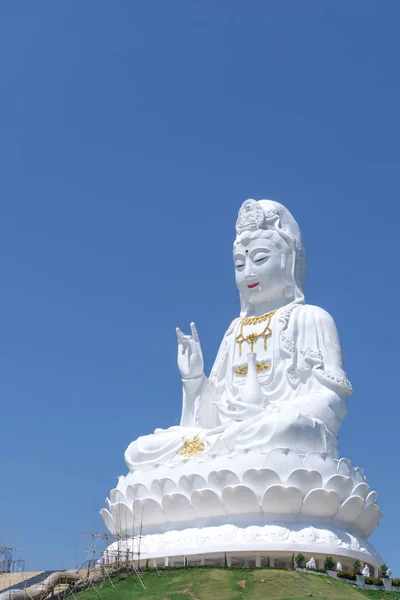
249,276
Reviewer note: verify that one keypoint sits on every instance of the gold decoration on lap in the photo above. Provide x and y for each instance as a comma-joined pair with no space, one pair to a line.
192,447
261,366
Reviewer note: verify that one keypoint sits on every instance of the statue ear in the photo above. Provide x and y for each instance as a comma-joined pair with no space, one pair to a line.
287,264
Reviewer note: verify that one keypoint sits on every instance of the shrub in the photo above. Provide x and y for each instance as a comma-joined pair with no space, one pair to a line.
329,563
373,581
300,560
347,575
396,582
384,569
357,567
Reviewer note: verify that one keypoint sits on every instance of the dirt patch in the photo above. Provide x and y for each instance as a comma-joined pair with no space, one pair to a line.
242,583
191,594
188,591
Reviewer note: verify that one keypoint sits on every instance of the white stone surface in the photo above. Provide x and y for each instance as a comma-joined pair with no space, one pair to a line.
269,475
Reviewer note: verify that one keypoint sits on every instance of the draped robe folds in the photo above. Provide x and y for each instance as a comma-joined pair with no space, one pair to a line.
305,396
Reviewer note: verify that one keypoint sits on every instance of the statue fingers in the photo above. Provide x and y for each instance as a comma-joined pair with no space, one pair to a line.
224,411
183,341
231,414
238,404
195,335
179,334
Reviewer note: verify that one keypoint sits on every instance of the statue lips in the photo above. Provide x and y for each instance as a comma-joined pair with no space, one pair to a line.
253,285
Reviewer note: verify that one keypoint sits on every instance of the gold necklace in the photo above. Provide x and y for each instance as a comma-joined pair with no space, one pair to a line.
253,337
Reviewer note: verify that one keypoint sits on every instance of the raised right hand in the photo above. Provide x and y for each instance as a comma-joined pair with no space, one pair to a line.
190,356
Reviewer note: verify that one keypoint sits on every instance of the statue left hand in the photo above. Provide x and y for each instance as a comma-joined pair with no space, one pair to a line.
246,410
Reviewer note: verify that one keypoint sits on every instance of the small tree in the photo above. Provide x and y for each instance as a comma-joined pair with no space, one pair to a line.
357,567
384,569
292,561
300,560
329,563
268,562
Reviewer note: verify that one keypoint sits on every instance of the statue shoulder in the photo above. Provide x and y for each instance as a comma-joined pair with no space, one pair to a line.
232,326
308,313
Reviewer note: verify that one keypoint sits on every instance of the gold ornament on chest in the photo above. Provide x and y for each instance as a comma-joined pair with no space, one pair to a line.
261,366
253,336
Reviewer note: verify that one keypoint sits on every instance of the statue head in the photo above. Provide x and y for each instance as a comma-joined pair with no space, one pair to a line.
270,263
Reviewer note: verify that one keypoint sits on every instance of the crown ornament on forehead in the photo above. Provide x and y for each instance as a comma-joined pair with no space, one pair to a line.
252,216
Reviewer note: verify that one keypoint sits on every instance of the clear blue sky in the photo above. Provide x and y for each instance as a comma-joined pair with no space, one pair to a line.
131,132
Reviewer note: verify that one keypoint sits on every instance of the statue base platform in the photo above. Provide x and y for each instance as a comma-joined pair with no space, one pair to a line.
255,544
265,504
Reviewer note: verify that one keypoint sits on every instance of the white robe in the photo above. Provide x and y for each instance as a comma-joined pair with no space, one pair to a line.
305,395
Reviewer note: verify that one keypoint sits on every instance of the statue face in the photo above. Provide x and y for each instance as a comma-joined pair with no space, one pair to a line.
260,266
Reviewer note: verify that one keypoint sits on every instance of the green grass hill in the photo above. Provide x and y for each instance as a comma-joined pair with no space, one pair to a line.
227,584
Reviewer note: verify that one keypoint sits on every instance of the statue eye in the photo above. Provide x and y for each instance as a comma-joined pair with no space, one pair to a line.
239,265
260,258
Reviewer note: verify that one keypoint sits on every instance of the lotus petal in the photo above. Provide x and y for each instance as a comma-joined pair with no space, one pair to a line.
108,521
116,496
162,487
345,468
259,480
148,511
177,508
350,509
372,524
218,480
283,461
189,483
341,484
207,504
280,499
321,503
321,462
369,515
137,490
239,499
305,480
371,498
123,518
361,490
359,476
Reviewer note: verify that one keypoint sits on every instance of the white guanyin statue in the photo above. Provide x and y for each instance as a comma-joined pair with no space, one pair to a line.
366,571
278,379
311,564
254,463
